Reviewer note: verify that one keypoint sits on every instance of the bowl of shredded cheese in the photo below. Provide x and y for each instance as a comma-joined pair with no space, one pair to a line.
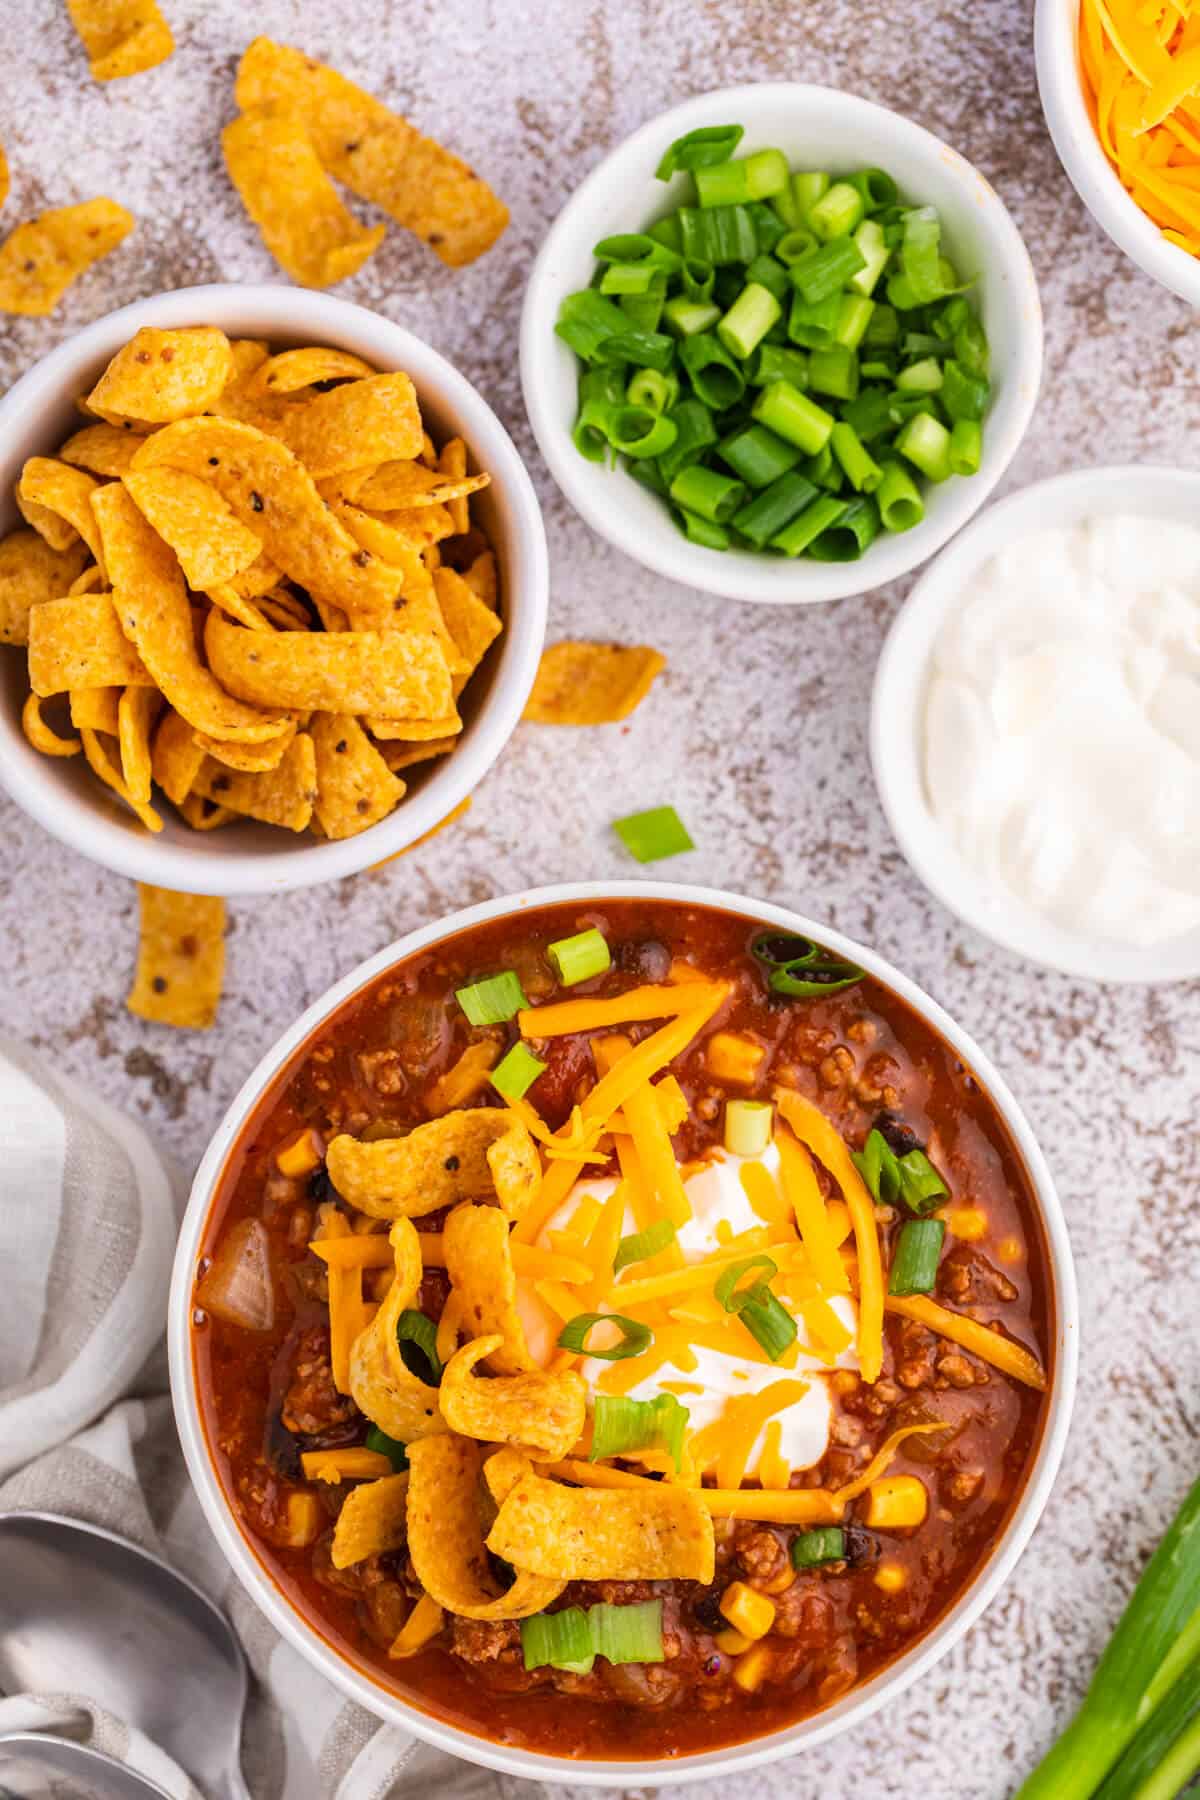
1120,87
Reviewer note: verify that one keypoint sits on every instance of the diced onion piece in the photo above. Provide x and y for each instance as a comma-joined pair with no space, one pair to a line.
238,1287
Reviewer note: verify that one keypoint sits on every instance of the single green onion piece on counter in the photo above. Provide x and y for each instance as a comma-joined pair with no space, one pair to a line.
838,212
732,1296
809,186
705,532
494,1000
1131,1682
757,456
639,432
713,496
748,320
649,388
898,499
516,1072
773,508
713,373
581,957
392,1448
700,149
557,1640
849,536
695,432
791,415
640,1246
834,371
620,1424
650,836
1165,1754
635,1337
805,529
862,471
416,1335
812,1548
748,1126
769,1323
966,447
925,442
628,1634
918,1250
826,270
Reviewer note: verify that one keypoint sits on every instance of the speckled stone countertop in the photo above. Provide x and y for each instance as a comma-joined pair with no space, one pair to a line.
757,732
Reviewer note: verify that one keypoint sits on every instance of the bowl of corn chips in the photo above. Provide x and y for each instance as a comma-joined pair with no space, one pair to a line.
273,589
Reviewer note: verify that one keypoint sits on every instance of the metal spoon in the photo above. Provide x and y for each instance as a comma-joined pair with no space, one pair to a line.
83,1611
35,1765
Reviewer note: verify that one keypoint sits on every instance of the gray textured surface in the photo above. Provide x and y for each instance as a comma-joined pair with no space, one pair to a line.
756,732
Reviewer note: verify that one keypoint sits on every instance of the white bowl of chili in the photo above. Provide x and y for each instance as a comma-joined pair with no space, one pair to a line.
815,128
1061,79
647,922
249,857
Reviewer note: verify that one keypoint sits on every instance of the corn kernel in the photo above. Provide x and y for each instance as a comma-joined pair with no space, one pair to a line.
747,1610
303,1521
895,1502
751,1669
301,1155
731,1643
969,1222
734,1058
779,1584
891,1577
423,1623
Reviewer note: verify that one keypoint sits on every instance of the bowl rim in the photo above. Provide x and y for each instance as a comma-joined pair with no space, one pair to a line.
860,1703
760,580
897,695
1060,86
237,307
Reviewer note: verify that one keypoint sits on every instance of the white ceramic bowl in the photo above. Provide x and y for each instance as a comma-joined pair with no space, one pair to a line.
63,795
816,128
897,708
1060,82
862,1701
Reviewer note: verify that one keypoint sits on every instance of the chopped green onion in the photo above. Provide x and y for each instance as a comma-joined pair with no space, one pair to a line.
910,1179
748,320
650,836
834,372
647,475
700,149
850,536
826,1544
723,184
862,471
769,273
791,415
807,528
635,1337
586,319
838,212
813,324
853,320
653,390
775,507
600,393
924,377
920,254
966,447
757,455
795,246
732,1297
964,396
687,318
698,280
637,247
712,371
971,346
708,493
640,1246
876,187
644,311
493,1001
801,969
628,278
516,1072
620,1424
639,432
884,328
748,1126
898,499
926,444
668,232
769,1323
826,270
918,1250
779,362
825,470
580,957
807,188
647,349
553,1640
628,1634
702,531
695,432
416,1334
392,1448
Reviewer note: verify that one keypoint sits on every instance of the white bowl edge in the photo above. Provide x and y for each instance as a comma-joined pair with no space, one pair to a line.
66,800
896,710
844,131
861,1702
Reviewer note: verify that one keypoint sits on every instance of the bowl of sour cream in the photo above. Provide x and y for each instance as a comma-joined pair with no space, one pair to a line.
1035,724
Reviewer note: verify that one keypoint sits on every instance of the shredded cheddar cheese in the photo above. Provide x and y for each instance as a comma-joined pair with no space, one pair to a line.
1012,1359
726,1445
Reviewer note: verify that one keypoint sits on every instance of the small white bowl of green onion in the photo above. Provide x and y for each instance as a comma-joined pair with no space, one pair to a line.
781,344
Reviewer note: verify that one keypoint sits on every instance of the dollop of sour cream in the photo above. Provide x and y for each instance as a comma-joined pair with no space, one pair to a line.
715,1193
1062,726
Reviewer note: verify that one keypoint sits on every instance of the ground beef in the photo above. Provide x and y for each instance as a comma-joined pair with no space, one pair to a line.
312,1405
968,1278
485,1640
383,1070
914,1355
760,1552
804,1613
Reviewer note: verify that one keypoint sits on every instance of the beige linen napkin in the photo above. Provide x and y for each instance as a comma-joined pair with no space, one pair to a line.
87,1234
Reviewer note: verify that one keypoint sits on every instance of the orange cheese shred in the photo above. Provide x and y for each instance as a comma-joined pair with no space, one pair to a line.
990,1346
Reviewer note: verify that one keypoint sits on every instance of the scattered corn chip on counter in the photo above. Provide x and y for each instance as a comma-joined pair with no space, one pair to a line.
586,1336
